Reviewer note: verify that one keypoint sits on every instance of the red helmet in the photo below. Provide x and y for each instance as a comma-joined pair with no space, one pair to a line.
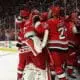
56,10
44,16
24,13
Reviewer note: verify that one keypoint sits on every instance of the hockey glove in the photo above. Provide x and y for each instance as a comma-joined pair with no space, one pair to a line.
18,45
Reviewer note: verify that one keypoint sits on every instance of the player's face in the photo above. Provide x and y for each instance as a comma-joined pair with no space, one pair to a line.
74,15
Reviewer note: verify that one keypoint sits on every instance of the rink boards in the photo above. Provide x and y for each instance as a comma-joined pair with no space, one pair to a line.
9,46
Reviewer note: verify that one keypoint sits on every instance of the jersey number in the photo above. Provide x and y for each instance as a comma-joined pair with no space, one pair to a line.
61,31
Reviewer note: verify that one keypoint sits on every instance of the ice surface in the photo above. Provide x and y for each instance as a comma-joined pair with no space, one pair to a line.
8,66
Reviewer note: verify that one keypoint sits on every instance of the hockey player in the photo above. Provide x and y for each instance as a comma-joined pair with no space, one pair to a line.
58,43
36,68
72,36
23,49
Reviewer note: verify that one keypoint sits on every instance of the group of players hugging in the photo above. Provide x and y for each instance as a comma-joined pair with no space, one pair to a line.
48,44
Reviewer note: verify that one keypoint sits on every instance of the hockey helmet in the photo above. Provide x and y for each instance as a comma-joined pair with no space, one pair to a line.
24,13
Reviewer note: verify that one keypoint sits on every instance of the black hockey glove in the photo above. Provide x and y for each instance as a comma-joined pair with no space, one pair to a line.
18,45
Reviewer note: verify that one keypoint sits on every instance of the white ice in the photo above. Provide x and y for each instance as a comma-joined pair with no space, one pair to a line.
8,66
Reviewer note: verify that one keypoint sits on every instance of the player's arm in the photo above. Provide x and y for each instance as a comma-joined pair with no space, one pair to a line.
45,38
42,28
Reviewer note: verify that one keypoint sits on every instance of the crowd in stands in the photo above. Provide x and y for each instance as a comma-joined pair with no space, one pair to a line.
7,34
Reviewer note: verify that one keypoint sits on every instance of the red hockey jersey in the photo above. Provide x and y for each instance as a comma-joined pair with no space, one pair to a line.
57,34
